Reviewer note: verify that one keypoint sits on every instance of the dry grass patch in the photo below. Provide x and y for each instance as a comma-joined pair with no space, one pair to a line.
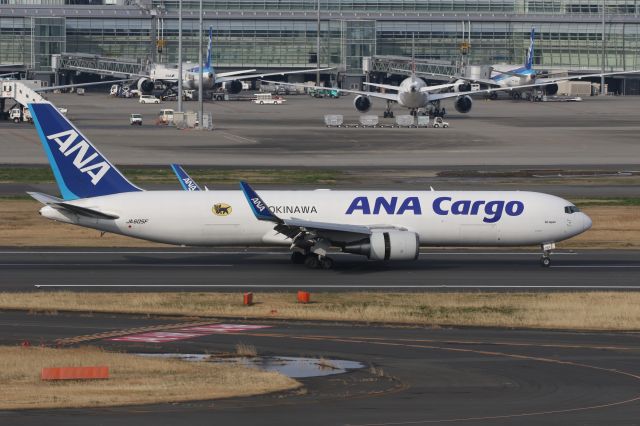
134,379
580,311
613,227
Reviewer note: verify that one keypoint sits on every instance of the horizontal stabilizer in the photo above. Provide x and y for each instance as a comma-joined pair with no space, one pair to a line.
60,204
44,198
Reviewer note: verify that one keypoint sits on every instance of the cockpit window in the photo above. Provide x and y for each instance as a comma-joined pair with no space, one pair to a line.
571,209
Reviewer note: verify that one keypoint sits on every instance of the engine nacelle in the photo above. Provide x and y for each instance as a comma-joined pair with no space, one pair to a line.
462,86
463,104
145,86
234,87
550,89
389,244
362,103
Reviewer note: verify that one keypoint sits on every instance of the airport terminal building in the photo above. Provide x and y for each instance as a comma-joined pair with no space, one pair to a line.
282,34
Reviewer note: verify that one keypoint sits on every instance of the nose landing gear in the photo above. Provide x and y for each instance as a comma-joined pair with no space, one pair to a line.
545,260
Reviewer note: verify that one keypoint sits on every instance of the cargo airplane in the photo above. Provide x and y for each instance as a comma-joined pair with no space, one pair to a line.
210,78
383,225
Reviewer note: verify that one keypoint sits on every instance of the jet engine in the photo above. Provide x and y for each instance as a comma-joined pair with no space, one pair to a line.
550,89
463,104
145,86
389,244
462,86
362,103
234,87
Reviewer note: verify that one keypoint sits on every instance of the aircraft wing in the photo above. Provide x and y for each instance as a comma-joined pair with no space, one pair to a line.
487,82
230,73
547,81
222,79
437,87
384,86
387,96
69,86
60,204
294,227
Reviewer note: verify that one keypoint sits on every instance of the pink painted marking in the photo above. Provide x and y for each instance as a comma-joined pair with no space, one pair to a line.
186,333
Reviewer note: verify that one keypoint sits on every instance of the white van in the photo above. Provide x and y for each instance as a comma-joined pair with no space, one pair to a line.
148,99
267,98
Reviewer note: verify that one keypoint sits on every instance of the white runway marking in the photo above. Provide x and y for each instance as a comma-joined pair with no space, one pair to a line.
283,252
442,287
596,266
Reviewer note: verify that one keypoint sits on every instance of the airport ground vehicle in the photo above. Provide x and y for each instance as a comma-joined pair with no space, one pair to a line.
439,122
19,114
323,93
135,119
165,117
267,98
148,99
382,225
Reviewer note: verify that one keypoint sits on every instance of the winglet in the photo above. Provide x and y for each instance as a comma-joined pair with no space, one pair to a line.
258,206
188,184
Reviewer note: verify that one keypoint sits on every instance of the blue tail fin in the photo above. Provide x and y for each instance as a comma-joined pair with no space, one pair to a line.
81,171
529,61
209,46
187,183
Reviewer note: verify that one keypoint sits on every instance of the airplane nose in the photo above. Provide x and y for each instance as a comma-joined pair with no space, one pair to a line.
586,222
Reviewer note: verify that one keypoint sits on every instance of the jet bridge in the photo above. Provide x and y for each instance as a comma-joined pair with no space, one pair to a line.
95,64
20,91
404,65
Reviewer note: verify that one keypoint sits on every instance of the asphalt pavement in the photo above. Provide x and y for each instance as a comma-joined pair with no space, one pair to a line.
600,131
412,376
188,269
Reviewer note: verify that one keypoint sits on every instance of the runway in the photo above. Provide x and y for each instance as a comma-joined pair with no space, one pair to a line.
271,270
413,376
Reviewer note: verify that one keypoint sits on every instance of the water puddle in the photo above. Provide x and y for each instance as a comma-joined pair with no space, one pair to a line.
294,367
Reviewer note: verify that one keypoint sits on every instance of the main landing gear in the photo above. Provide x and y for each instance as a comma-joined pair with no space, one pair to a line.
387,112
312,260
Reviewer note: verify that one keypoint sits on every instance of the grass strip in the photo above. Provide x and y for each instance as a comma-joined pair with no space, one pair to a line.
565,310
133,379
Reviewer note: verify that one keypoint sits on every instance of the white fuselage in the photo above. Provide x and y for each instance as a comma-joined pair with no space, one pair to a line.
409,94
190,76
455,218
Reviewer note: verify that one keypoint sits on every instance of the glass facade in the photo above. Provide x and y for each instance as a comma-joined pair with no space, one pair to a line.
282,33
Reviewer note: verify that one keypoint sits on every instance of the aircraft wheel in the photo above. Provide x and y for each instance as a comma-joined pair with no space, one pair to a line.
312,261
298,258
545,261
326,263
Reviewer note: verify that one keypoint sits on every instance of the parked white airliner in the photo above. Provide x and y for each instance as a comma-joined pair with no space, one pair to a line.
382,225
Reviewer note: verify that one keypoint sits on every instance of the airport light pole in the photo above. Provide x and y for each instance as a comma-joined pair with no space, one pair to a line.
318,47
200,91
179,55
602,91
